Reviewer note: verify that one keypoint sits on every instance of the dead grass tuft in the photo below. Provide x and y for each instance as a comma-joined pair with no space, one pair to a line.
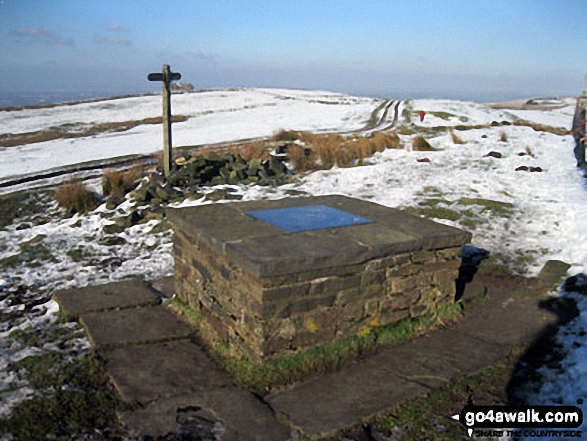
542,127
286,135
75,197
456,139
120,182
419,144
326,151
253,150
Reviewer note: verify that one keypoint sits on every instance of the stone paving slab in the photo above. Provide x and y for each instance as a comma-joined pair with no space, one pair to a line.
216,224
165,286
438,358
323,405
291,253
127,294
514,319
144,373
181,389
432,234
134,325
232,413
382,240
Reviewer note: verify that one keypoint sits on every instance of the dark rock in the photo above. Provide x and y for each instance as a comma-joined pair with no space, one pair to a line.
494,124
529,169
76,224
161,193
577,283
23,226
111,262
222,193
158,178
113,202
494,155
113,241
142,194
506,123
484,136
423,160
113,229
135,217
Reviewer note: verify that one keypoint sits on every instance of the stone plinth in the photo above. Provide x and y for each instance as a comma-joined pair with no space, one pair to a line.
271,281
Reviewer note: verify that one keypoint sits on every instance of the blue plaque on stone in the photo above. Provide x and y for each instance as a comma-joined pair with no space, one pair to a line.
309,217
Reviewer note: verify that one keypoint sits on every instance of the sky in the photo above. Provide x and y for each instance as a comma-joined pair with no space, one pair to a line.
463,49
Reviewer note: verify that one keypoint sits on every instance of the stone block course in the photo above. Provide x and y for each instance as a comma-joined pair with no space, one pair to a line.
270,292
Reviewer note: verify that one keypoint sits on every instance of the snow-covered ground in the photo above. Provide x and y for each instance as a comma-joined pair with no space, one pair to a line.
214,116
541,218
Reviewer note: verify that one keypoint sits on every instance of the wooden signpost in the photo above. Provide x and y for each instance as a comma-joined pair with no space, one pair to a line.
166,77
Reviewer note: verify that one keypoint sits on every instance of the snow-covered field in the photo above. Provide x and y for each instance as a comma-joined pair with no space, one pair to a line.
215,116
539,216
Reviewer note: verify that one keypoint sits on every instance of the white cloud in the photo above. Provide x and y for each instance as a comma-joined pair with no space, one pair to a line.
113,40
117,28
202,55
41,34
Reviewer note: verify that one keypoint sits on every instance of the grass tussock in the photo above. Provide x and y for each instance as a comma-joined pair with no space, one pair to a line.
419,144
319,359
75,197
503,137
456,139
320,152
256,150
287,135
120,182
542,127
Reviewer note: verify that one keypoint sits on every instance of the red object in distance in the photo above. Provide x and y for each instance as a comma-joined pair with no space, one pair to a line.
422,114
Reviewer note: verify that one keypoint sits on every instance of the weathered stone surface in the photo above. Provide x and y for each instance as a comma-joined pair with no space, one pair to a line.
75,302
165,286
553,272
297,252
216,224
432,234
236,415
144,373
382,240
506,317
332,402
438,358
133,325
241,271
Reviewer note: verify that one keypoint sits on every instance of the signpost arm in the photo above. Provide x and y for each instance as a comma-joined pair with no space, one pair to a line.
167,145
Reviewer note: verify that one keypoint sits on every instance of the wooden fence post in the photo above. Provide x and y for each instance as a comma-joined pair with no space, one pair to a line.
166,77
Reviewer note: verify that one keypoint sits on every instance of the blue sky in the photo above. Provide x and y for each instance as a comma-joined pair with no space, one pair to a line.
475,49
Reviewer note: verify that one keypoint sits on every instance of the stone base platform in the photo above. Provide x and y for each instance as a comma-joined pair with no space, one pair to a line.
276,277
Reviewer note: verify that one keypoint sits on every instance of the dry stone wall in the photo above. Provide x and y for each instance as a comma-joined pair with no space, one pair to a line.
264,317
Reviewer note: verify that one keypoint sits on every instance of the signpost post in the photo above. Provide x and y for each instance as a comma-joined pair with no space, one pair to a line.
166,76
